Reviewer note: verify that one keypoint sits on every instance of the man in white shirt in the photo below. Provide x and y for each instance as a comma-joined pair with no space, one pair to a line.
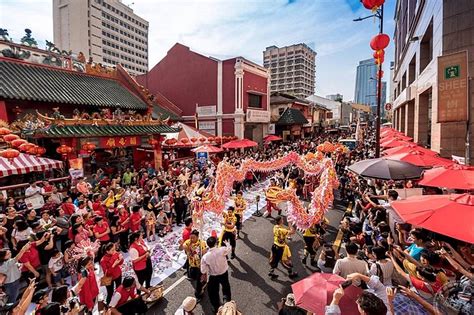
214,263
32,190
350,264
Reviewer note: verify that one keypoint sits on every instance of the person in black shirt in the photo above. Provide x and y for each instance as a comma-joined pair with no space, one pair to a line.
45,251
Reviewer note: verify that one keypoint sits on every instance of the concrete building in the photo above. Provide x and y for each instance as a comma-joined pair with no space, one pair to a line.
230,97
340,112
292,69
106,30
335,97
427,36
366,85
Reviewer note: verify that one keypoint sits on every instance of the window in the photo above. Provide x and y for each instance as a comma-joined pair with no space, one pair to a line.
255,100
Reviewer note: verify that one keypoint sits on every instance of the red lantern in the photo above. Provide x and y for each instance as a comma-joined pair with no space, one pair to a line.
25,146
4,131
193,139
380,73
40,151
64,149
217,139
10,154
88,147
379,61
202,139
372,4
211,139
379,42
10,137
171,141
185,140
17,142
379,54
153,142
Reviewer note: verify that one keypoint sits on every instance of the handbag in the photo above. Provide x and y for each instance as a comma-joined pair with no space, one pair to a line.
105,281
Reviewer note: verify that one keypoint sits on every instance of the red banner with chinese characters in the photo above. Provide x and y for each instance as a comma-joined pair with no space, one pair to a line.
119,142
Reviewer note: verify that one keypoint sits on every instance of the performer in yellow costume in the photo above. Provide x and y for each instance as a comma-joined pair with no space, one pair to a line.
229,230
280,249
195,249
311,240
240,207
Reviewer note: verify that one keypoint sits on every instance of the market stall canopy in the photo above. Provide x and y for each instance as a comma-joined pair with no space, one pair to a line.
420,159
238,144
395,137
207,148
386,169
271,138
26,163
315,292
453,176
450,215
391,143
409,148
187,135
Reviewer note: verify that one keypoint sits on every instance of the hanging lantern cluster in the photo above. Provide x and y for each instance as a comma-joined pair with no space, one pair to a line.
378,43
88,147
171,141
10,154
185,141
372,5
64,150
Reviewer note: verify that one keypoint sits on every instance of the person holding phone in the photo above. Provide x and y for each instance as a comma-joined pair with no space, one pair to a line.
11,272
89,290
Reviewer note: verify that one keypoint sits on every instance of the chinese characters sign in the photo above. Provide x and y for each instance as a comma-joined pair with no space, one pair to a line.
119,142
452,87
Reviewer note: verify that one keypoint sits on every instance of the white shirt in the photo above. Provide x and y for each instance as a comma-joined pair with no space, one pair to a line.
214,261
348,265
30,191
56,264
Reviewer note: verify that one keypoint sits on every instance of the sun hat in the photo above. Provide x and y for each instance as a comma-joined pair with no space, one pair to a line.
189,303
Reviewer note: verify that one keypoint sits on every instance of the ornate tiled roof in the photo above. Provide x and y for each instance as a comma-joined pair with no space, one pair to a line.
22,81
55,131
292,116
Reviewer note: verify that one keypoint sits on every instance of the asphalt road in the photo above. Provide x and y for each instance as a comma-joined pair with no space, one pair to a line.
252,289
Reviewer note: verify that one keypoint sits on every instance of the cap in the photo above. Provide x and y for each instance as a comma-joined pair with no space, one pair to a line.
189,303
290,300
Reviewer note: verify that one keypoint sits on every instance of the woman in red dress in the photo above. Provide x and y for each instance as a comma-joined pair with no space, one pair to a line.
90,290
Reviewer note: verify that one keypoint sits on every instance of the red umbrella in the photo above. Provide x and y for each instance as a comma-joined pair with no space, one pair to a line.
420,159
238,144
453,176
393,143
408,148
444,214
388,132
270,138
315,292
207,148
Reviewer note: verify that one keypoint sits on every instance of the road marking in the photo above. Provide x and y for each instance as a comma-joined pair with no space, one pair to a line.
338,240
174,285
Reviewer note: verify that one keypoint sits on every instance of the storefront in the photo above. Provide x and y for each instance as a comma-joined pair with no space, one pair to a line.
256,124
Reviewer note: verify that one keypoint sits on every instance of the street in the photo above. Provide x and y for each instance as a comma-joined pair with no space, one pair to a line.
252,289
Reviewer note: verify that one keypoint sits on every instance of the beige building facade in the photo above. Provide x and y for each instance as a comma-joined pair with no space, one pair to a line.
292,69
426,32
106,30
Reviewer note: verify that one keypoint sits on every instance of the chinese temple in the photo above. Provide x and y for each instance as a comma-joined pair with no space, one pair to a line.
78,108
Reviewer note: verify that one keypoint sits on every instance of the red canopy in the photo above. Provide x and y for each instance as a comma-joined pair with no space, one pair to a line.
395,137
207,148
394,143
270,138
420,159
450,215
409,148
238,144
315,292
453,176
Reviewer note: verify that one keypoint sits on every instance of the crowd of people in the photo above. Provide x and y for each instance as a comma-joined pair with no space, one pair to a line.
50,255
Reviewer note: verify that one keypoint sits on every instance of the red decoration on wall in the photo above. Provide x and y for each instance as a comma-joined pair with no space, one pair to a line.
26,146
372,4
379,41
4,131
64,150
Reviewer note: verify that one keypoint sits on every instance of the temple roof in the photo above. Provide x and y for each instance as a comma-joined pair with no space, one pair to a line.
292,116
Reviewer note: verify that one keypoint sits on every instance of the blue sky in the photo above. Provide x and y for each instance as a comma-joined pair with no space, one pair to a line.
229,28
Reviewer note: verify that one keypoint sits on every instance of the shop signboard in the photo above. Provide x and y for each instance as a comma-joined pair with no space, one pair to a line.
206,110
119,142
258,116
452,87
208,126
271,129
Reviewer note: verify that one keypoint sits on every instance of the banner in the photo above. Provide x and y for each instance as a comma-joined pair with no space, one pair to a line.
119,142
34,202
452,87
76,164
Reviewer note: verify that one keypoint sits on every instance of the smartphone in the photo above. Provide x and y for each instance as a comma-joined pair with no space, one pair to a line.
84,273
346,283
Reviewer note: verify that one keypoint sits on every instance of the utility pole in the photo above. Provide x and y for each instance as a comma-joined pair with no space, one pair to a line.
379,94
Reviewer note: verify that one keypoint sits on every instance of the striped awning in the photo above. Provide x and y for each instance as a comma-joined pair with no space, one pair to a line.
26,163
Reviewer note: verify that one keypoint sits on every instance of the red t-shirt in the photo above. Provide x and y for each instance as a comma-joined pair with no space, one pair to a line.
98,208
31,256
186,234
421,285
106,263
68,208
136,216
122,218
101,229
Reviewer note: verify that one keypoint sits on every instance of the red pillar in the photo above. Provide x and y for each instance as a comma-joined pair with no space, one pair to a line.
3,111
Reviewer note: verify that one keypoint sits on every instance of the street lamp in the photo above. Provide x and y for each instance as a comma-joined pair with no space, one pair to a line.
378,14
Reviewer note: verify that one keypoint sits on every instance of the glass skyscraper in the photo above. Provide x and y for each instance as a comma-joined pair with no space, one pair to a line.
366,85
